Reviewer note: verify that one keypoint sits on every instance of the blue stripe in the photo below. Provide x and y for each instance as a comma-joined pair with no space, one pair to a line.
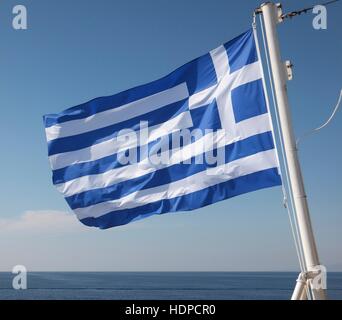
199,74
237,150
248,183
206,117
88,139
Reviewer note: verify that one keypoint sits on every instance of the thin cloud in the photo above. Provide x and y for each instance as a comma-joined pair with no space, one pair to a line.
42,221
53,221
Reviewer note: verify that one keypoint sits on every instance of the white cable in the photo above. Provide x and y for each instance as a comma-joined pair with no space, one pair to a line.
324,124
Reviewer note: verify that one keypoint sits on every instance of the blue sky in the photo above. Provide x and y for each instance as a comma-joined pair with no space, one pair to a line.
76,50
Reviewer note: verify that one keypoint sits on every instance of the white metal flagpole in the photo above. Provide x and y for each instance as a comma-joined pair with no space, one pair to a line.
271,16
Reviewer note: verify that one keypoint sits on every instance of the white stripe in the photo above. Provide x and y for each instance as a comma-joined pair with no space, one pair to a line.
111,146
221,65
202,98
110,177
119,114
248,73
253,126
241,167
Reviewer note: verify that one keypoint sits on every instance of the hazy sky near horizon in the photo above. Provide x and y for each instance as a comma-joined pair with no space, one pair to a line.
74,51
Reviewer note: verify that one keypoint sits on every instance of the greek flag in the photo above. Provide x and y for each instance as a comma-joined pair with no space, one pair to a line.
200,135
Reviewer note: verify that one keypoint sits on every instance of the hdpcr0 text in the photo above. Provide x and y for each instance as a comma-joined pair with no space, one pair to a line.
178,309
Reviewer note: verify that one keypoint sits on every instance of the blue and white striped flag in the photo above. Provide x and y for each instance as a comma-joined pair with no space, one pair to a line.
200,135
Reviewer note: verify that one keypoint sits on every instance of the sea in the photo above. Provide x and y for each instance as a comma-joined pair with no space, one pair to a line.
159,286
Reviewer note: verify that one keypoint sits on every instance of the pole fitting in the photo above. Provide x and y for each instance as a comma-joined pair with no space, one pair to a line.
277,7
302,277
307,275
289,69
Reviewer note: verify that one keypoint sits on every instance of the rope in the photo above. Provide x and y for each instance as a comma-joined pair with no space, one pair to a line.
290,209
299,12
324,124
